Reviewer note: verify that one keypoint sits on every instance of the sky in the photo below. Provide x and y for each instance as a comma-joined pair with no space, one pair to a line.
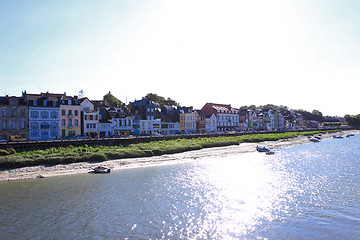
304,54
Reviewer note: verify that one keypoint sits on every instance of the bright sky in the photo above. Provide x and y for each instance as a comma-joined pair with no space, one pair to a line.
301,53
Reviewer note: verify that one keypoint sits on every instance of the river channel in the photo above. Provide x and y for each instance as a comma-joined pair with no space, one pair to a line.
310,191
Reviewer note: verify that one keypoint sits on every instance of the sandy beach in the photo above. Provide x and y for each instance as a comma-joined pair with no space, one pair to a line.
84,167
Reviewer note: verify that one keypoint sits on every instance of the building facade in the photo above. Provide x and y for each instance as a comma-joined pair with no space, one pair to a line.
227,117
89,119
44,109
210,123
14,117
70,117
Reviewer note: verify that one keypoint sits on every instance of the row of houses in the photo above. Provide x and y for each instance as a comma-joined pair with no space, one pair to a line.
47,116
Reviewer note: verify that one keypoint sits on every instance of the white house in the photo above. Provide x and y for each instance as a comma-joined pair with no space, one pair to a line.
147,127
89,118
210,123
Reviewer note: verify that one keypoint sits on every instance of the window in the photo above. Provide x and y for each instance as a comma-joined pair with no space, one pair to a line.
62,122
76,122
69,112
54,115
44,114
35,102
34,114
44,103
69,123
91,117
69,102
54,103
34,125
23,125
63,112
22,113
76,113
14,113
44,125
13,124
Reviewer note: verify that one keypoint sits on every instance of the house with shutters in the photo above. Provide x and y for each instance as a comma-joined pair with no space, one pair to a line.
89,118
70,117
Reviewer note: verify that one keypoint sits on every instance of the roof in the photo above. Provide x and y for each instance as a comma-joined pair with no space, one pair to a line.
43,96
222,107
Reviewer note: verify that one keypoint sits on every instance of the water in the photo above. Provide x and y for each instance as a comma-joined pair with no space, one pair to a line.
304,192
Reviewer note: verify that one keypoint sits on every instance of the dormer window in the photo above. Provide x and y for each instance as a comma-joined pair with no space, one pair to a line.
44,103
35,102
69,102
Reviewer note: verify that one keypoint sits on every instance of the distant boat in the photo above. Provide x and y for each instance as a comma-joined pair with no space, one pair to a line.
350,135
315,140
262,149
101,169
270,153
338,137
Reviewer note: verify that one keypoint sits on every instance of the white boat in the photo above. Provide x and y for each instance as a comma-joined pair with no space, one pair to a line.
314,140
262,149
101,169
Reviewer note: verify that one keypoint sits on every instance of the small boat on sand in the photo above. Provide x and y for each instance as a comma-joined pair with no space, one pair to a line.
314,140
101,169
338,137
270,153
262,149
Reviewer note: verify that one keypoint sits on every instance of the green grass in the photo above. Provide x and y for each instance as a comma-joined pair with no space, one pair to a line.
62,155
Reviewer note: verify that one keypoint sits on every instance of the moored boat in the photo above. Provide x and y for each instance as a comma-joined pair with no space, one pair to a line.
262,149
270,153
350,135
101,169
338,137
314,140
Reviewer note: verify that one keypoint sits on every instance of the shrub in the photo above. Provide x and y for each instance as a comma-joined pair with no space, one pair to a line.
3,152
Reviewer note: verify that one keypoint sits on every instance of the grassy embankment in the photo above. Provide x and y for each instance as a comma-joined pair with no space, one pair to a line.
70,154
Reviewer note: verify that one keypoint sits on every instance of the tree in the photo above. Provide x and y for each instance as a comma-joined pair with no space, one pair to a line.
353,120
161,100
81,93
113,101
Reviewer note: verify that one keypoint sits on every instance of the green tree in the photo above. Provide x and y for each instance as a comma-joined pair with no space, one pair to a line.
113,101
161,100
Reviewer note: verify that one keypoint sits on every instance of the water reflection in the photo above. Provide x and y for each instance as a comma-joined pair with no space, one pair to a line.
300,192
228,197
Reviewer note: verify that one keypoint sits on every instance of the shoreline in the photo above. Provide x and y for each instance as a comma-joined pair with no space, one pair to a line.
42,171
